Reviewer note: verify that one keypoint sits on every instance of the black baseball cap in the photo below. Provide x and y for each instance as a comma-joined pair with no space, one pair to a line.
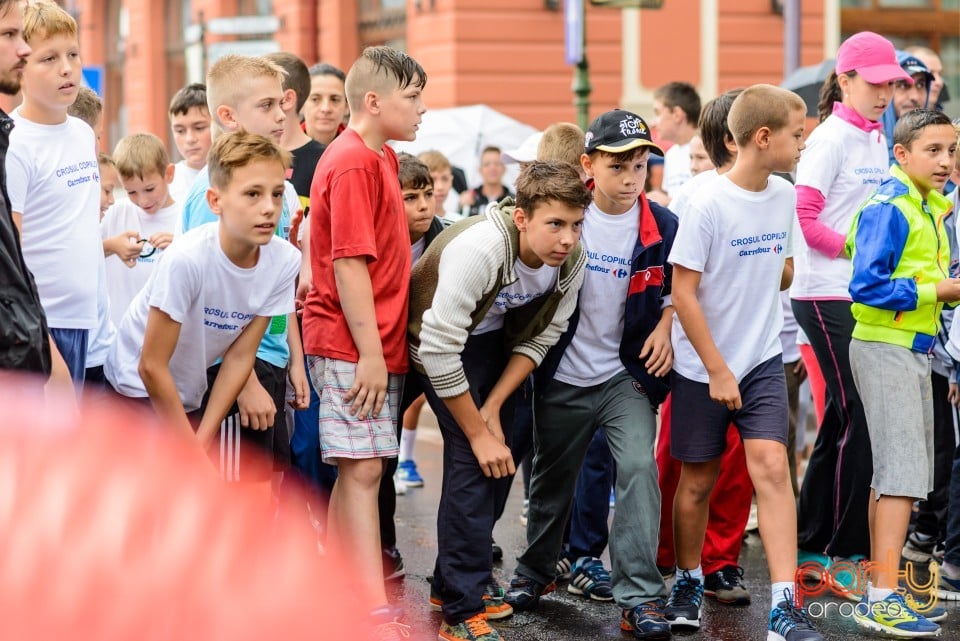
618,131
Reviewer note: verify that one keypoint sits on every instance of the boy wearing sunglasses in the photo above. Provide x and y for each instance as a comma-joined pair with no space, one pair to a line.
136,231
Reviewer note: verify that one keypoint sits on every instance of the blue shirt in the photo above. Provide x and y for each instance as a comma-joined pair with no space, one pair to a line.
273,348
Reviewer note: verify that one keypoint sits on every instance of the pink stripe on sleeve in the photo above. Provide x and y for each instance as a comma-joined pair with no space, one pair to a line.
810,204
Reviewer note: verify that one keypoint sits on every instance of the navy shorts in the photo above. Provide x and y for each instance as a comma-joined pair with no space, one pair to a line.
700,424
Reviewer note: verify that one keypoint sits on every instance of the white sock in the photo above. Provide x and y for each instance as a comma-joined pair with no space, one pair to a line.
877,594
777,592
407,440
695,573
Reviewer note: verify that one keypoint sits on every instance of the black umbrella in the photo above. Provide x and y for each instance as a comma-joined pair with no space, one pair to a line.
806,82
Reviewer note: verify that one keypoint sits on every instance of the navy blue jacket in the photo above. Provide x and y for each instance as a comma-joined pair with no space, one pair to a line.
650,281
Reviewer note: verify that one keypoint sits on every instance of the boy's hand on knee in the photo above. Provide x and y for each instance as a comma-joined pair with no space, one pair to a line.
257,410
493,456
369,389
725,390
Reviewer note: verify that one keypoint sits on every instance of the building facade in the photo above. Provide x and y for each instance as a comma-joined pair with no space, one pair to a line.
508,54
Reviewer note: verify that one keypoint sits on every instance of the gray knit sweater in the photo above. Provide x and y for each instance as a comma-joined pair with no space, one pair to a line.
457,280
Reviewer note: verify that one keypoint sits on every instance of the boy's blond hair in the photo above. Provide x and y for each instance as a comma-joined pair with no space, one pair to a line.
762,106
44,19
381,70
227,80
104,159
138,155
434,160
87,107
562,141
237,149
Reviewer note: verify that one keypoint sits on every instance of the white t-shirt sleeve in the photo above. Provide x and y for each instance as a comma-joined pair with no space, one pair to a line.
691,247
281,300
19,178
176,285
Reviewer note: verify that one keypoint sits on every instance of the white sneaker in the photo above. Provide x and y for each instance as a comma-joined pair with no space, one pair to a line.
399,486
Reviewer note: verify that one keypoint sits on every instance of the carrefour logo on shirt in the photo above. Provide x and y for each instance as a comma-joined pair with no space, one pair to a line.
746,241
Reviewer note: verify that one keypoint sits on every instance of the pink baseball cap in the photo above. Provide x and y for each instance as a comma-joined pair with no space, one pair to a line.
872,56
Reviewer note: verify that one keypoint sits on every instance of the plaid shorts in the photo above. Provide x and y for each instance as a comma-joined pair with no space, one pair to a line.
343,435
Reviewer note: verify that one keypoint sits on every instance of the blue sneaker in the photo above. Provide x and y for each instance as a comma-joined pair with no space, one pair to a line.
407,473
683,606
589,578
524,593
646,621
893,617
790,623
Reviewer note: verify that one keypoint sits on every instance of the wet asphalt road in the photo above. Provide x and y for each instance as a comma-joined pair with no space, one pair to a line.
562,616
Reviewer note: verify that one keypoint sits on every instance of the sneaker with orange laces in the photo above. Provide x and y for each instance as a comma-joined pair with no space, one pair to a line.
494,605
475,628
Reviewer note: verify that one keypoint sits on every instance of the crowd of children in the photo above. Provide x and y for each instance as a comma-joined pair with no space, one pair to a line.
292,269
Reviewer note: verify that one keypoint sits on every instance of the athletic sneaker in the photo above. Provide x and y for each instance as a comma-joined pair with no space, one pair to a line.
948,589
493,604
726,586
667,571
475,628
407,472
564,564
589,578
790,623
393,631
812,565
524,593
921,548
848,577
392,564
399,486
496,551
683,606
524,511
646,621
893,617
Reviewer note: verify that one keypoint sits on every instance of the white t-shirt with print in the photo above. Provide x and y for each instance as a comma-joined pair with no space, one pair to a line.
183,177
739,240
676,168
593,356
123,282
531,283
845,164
212,299
54,180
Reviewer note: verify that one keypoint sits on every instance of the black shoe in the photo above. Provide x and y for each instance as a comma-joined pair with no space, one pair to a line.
683,606
392,564
497,551
726,586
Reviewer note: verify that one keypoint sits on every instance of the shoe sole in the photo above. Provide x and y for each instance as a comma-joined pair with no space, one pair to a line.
413,483
876,628
735,600
626,628
572,589
948,595
683,623
396,576
917,556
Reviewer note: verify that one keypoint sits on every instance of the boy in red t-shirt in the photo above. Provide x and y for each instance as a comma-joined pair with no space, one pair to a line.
354,322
